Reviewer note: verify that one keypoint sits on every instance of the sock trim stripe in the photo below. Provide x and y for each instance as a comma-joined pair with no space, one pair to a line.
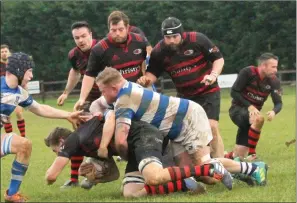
17,177
254,131
161,189
187,171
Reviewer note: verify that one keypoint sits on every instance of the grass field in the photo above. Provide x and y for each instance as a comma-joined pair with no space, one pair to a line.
281,185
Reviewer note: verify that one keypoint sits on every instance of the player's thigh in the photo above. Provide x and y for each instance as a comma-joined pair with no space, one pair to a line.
239,115
18,110
149,143
242,136
196,133
11,143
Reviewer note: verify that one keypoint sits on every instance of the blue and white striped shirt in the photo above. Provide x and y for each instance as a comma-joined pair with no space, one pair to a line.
164,112
10,98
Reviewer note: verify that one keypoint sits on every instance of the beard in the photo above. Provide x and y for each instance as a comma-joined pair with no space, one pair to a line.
119,40
172,48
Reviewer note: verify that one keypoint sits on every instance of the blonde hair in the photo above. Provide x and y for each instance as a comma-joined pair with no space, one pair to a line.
109,76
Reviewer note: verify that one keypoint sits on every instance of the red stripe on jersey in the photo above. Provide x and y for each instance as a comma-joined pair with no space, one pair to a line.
157,47
184,35
192,36
203,90
94,42
263,94
71,53
194,69
185,63
131,63
103,44
138,37
191,82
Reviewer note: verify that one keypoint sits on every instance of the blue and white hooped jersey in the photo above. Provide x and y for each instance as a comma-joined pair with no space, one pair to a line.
137,103
10,98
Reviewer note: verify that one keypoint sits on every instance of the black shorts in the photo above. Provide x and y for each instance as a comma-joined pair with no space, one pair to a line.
144,141
211,104
240,117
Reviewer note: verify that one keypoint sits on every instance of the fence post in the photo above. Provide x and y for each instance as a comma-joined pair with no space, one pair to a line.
42,91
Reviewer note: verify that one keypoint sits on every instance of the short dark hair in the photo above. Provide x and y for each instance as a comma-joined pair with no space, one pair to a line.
54,136
80,24
266,56
116,16
3,46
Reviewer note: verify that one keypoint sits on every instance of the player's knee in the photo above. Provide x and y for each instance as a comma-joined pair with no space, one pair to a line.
130,193
153,175
26,147
152,170
154,178
19,115
259,119
214,125
132,186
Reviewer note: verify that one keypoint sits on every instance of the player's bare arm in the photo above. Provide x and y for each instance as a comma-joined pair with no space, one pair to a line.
56,168
277,102
217,68
121,134
87,85
50,112
73,78
99,105
107,133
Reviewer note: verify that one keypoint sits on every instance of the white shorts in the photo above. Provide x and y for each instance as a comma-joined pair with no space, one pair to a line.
6,140
195,133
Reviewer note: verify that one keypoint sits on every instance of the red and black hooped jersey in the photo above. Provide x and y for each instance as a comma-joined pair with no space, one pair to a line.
137,30
255,90
2,69
188,66
79,61
127,58
85,141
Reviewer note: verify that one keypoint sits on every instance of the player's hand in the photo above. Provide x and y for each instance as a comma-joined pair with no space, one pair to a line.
74,119
209,79
79,105
85,116
103,152
270,115
144,81
253,111
61,99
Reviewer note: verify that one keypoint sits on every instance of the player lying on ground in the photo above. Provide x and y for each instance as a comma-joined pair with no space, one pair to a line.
144,166
182,121
18,74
